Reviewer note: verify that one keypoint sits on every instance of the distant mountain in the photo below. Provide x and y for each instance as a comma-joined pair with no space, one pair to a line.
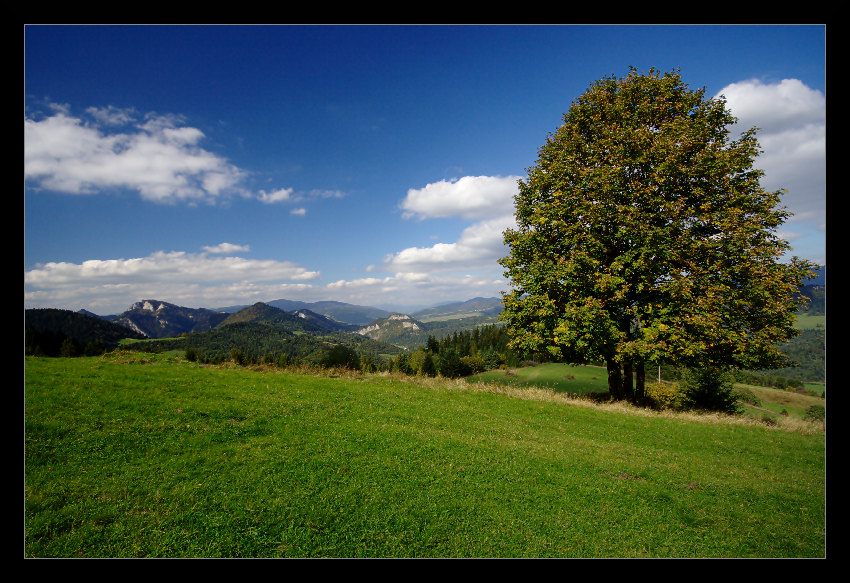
157,319
301,320
323,322
338,311
473,307
396,329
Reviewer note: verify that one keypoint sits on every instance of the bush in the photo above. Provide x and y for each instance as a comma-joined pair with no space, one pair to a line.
815,413
341,356
747,396
664,395
450,365
709,388
237,356
473,364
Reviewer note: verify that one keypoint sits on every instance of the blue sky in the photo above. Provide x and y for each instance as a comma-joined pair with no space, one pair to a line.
212,166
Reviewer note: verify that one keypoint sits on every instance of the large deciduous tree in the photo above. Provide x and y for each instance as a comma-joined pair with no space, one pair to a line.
644,236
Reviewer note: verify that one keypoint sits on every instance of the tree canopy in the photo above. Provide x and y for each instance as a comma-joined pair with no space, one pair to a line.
644,236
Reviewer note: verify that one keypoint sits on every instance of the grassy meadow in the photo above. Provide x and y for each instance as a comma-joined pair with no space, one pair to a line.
140,455
582,380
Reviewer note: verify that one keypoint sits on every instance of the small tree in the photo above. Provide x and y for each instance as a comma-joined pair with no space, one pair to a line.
449,364
709,388
341,356
68,348
644,236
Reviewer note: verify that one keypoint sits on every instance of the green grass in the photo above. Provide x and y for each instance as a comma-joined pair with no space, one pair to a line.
810,322
151,456
563,378
590,380
777,402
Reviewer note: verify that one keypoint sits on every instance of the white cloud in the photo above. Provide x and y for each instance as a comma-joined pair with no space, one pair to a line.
774,107
416,288
479,247
172,276
288,195
159,159
792,135
439,272
462,269
470,197
111,115
226,248
280,195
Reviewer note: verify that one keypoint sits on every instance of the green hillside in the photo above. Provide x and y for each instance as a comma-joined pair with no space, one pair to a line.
144,455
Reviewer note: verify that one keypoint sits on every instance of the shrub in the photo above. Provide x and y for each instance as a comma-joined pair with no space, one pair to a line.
709,388
473,364
341,356
450,365
237,356
664,395
815,413
747,396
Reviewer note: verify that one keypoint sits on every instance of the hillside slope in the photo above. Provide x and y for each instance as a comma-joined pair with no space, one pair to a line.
45,329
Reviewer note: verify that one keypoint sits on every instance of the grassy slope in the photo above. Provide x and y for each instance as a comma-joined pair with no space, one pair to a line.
151,456
577,380
583,380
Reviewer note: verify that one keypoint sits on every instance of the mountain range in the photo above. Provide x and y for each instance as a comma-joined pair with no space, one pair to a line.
158,319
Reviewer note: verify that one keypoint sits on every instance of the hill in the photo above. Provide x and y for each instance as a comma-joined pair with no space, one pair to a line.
167,458
301,320
477,307
261,332
46,329
396,329
337,311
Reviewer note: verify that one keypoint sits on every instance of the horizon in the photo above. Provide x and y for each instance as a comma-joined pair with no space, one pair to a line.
237,307
370,165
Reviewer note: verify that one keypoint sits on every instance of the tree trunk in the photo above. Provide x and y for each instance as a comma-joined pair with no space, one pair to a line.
628,381
615,379
640,384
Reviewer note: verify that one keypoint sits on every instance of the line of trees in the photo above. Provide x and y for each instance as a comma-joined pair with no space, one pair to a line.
461,353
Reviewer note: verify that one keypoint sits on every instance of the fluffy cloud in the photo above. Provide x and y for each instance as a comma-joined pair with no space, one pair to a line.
774,107
281,195
158,158
470,197
478,247
208,277
446,271
792,122
226,248
489,200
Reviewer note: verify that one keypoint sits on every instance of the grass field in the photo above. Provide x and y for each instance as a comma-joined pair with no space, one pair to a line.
590,380
810,322
151,456
563,378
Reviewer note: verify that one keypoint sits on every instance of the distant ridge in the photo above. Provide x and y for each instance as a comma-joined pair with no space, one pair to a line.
300,320
473,307
338,311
